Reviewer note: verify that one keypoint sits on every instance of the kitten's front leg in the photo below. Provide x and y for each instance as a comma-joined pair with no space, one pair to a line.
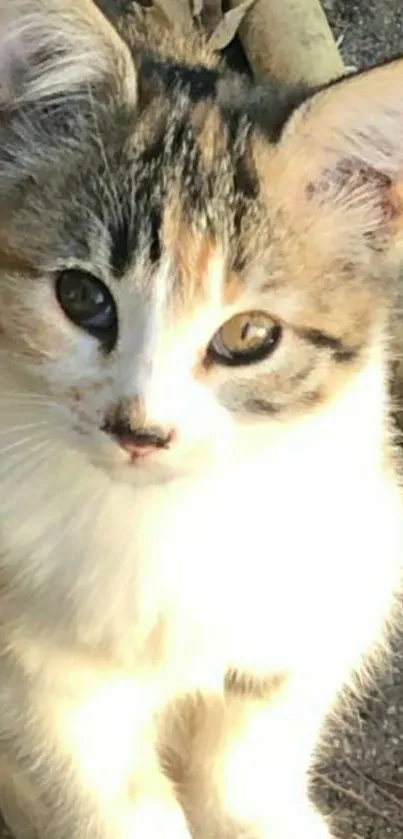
84,763
248,766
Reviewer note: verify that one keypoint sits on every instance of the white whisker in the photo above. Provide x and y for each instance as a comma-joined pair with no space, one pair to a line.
77,521
14,398
24,441
21,395
14,428
28,459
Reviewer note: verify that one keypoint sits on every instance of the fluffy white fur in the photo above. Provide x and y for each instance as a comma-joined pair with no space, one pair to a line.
281,559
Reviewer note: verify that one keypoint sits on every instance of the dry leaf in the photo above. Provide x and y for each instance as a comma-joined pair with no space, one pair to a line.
154,20
211,16
177,13
228,26
197,8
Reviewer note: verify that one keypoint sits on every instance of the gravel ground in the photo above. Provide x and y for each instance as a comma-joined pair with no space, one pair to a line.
361,781
370,30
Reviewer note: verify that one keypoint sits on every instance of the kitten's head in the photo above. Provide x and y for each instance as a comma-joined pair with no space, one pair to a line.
181,266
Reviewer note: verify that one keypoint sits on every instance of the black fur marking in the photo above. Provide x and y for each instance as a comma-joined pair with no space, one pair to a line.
261,406
245,180
197,81
153,153
319,339
125,237
270,106
155,240
124,243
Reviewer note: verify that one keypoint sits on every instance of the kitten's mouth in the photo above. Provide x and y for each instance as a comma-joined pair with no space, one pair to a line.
131,463
134,454
139,443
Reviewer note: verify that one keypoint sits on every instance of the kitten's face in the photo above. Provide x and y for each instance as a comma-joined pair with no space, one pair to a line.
167,272
152,320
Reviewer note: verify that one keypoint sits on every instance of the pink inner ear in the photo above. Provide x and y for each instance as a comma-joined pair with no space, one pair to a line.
351,174
395,202
348,174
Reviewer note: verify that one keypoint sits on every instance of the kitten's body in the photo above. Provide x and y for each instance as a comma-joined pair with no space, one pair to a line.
175,629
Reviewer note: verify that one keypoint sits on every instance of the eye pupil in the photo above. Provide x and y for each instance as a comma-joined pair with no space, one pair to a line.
88,303
83,295
245,331
245,339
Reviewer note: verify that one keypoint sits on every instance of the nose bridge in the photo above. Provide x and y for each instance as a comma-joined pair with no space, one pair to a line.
138,375
150,397
132,412
157,362
161,375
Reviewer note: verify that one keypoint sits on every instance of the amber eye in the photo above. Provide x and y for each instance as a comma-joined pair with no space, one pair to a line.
245,339
88,303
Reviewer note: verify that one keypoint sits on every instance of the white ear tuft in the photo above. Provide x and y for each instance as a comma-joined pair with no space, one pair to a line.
51,47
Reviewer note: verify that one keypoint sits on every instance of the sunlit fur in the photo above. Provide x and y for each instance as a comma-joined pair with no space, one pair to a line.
174,630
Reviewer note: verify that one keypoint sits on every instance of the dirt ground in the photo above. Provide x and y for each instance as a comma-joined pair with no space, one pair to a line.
361,781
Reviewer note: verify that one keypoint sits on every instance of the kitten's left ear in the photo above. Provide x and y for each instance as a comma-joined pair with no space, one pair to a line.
344,147
49,48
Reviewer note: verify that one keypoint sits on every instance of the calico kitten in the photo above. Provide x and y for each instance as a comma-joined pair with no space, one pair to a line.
201,521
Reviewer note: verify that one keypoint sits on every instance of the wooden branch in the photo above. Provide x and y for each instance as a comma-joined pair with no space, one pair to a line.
290,39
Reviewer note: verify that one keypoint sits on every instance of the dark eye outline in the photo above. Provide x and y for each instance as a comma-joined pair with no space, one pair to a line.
228,358
103,323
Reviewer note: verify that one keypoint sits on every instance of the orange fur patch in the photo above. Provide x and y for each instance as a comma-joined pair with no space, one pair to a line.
14,263
192,254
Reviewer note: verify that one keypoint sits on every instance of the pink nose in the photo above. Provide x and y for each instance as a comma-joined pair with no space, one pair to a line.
141,442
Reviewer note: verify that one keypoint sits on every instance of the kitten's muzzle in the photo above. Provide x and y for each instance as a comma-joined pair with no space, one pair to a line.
139,442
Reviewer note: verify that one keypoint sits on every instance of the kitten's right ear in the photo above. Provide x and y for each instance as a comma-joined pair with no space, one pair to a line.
49,48
342,152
